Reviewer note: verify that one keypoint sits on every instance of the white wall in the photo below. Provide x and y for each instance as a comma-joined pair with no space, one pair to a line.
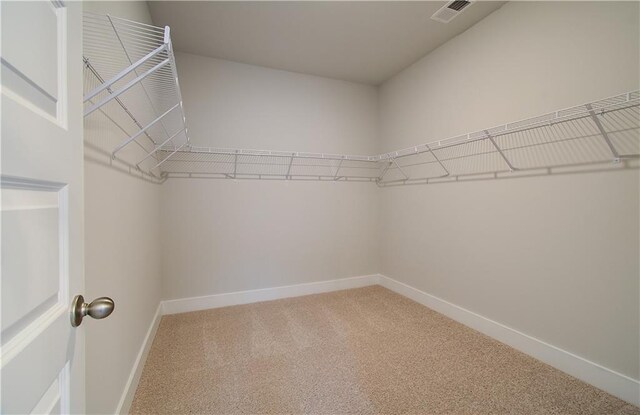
220,235
555,257
122,248
236,105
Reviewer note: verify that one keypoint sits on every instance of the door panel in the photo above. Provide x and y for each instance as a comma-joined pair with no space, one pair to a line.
42,356
32,279
33,52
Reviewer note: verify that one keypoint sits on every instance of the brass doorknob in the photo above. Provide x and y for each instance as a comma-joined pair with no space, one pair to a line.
99,308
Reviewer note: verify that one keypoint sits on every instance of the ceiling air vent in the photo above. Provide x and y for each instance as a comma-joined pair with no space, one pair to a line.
450,10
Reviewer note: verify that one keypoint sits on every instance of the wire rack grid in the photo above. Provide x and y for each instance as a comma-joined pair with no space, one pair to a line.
607,130
131,82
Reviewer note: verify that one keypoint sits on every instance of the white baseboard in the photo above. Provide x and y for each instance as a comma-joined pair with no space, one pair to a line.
134,377
184,305
617,384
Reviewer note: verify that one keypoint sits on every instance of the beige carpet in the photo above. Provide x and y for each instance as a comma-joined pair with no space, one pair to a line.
365,350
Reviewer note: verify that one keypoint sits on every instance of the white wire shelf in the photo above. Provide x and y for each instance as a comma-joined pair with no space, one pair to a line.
131,84
267,164
607,130
131,80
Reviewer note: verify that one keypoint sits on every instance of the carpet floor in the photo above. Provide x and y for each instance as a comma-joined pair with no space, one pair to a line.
365,351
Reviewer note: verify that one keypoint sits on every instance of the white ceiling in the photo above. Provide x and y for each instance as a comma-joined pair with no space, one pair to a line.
359,41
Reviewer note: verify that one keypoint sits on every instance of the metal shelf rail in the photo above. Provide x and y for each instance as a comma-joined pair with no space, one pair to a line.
270,165
133,82
603,131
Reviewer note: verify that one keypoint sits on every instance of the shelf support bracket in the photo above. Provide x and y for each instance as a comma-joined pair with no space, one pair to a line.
151,153
384,171
125,88
122,74
605,136
118,100
289,168
235,164
506,160
438,160
400,169
172,153
335,176
136,135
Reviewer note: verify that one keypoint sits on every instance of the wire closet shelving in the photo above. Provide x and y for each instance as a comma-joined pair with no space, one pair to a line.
607,130
131,80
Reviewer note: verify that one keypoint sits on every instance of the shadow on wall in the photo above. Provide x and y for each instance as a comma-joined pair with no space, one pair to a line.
520,173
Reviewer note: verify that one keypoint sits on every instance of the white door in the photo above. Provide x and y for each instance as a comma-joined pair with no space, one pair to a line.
42,207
